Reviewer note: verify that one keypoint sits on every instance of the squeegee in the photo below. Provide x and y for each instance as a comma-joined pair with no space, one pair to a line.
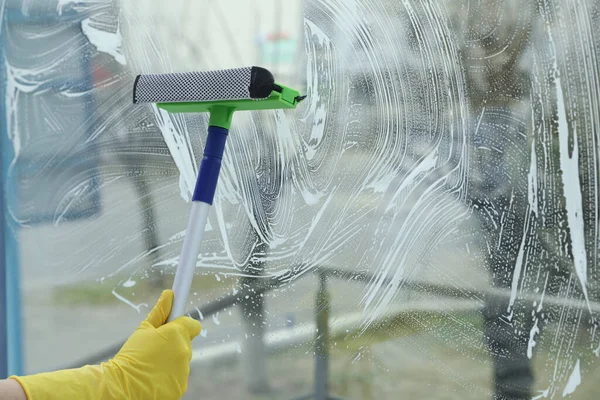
219,93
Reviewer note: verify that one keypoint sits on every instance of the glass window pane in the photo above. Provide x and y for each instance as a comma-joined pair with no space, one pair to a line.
423,225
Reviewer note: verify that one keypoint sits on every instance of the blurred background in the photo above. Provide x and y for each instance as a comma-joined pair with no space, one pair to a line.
424,225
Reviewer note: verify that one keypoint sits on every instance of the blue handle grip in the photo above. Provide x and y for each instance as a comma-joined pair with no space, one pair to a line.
211,165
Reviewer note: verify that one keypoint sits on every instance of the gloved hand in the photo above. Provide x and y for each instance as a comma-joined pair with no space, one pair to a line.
154,363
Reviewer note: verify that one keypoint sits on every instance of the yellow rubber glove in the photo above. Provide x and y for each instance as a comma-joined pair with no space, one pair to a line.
154,363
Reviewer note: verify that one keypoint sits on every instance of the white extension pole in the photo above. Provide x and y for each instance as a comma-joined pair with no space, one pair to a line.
203,196
188,258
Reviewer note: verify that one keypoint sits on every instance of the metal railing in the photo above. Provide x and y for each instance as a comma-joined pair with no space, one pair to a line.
265,285
260,286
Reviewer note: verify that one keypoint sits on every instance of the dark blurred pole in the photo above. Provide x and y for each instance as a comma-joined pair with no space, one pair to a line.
11,355
497,178
253,305
254,352
3,287
139,179
149,228
322,340
3,313
513,373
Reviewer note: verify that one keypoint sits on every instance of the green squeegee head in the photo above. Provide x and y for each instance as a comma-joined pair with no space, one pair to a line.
220,93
